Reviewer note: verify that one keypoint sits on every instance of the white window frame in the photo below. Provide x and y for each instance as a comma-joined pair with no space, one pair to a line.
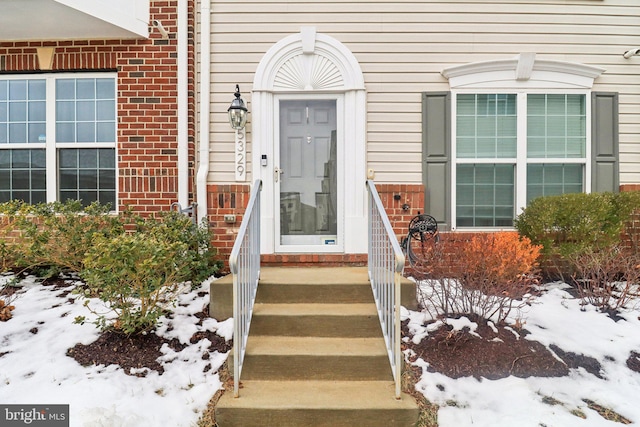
521,160
51,146
521,75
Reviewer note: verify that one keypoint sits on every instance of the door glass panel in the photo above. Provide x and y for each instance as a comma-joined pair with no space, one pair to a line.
307,173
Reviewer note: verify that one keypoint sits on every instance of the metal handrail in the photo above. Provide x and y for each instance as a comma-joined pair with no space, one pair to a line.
244,263
386,263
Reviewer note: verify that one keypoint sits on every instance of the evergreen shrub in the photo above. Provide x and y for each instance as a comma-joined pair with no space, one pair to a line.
569,225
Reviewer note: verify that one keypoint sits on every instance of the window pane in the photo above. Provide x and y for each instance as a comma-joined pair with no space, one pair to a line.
20,158
466,105
4,90
5,179
17,90
107,197
576,126
5,159
65,132
107,179
553,179
17,111
65,111
485,195
65,89
86,110
86,132
86,89
38,159
38,197
105,88
22,175
486,126
88,158
576,105
68,180
107,158
3,133
88,179
37,132
106,110
68,159
17,133
87,175
37,111
106,132
68,195
37,90
556,126
38,179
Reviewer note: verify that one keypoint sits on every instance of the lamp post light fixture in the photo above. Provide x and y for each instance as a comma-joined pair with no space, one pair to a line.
238,118
237,111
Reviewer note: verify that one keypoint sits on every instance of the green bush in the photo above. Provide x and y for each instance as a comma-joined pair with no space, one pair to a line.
569,225
137,275
175,226
54,237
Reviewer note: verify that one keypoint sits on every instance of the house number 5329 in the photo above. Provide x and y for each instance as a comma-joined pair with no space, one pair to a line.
241,155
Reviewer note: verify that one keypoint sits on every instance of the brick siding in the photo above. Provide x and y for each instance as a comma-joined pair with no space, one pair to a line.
147,101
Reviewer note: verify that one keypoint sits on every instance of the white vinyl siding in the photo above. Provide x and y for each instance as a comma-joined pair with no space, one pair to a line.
402,47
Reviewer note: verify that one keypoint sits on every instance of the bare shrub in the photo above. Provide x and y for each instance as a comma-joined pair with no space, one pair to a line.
487,275
608,278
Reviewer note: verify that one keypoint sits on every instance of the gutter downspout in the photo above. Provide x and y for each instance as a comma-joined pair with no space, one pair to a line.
183,104
205,108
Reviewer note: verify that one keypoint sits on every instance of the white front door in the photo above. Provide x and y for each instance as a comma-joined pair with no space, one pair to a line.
306,177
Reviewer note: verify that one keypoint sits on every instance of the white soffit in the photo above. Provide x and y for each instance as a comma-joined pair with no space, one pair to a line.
23,20
523,71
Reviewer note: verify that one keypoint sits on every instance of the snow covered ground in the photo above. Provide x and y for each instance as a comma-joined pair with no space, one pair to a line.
554,318
34,368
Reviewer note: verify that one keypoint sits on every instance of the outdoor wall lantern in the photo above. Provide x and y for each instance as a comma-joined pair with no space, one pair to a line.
237,111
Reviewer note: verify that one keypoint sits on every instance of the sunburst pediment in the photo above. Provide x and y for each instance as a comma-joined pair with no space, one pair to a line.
308,72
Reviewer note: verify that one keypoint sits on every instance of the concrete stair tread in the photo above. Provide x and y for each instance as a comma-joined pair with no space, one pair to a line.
324,395
315,309
315,275
315,346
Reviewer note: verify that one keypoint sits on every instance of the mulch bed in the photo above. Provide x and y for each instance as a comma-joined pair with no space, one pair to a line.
495,355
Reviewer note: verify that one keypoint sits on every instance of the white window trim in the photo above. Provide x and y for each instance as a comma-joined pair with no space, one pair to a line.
521,75
51,146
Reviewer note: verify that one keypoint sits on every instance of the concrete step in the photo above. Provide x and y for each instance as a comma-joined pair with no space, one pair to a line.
316,403
320,320
325,285
314,285
312,358
315,353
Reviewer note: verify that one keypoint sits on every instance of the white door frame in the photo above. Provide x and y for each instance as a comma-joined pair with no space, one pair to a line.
311,65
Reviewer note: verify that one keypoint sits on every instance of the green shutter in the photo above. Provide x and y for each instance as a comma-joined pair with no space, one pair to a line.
436,156
605,170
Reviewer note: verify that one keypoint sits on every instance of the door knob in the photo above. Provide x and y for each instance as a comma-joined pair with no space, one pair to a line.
277,173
